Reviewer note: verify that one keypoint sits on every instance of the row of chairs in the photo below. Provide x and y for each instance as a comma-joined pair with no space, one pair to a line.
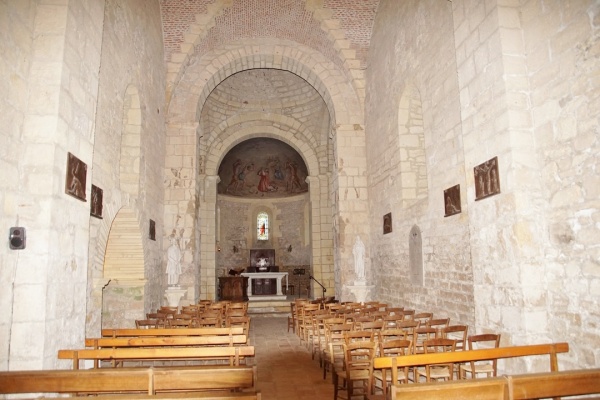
347,337
220,314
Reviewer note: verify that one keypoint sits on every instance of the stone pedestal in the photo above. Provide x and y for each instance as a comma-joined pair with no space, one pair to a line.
360,290
173,295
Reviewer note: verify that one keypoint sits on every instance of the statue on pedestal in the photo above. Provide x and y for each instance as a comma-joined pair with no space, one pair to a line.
173,263
359,259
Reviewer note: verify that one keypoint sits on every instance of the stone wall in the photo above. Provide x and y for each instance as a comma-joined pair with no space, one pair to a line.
129,155
562,44
414,154
52,54
472,81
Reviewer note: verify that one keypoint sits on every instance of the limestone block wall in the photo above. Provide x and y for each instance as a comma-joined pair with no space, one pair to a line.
51,63
562,44
524,262
16,28
414,151
129,154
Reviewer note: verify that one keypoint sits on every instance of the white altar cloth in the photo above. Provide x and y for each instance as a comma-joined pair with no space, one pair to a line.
267,275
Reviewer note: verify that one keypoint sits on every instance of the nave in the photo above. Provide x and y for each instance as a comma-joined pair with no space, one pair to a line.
285,368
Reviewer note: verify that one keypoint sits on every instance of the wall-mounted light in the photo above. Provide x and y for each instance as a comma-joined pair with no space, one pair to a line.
289,248
218,247
235,249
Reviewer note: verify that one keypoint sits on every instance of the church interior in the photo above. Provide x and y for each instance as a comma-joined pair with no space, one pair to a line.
439,155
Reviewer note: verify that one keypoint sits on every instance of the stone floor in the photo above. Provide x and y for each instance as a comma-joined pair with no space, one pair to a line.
285,368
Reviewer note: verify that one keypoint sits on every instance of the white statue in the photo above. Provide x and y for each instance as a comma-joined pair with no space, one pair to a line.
173,263
359,259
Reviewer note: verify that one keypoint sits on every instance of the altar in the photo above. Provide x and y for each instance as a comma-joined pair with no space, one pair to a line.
266,285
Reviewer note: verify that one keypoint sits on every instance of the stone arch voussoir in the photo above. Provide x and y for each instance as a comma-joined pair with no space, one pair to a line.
207,72
216,152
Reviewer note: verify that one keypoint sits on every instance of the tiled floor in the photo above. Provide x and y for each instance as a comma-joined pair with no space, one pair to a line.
285,368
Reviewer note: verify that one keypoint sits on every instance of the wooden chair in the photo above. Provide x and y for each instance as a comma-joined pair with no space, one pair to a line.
457,333
422,317
146,323
242,321
392,334
437,371
391,321
359,336
391,348
420,336
160,317
358,368
374,326
291,319
438,323
333,355
408,314
305,321
394,310
489,368
180,323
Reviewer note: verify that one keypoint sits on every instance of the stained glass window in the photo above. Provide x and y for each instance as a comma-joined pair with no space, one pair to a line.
262,226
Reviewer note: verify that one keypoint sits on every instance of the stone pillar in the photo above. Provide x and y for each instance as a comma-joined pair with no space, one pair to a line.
206,226
350,198
321,235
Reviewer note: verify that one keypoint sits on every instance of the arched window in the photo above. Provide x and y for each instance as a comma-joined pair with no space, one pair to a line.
262,226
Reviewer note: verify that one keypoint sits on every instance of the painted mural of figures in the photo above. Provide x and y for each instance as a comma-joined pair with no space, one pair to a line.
265,185
237,168
292,177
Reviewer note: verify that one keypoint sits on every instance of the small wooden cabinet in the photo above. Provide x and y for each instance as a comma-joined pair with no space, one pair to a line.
234,288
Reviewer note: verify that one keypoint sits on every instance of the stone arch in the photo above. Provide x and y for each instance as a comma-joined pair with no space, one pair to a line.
239,133
124,257
203,75
129,164
411,139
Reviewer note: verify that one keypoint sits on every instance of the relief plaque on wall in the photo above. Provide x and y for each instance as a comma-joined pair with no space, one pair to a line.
452,201
487,179
96,205
152,230
76,176
387,223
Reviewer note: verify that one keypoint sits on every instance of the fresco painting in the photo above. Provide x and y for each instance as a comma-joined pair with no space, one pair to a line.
262,167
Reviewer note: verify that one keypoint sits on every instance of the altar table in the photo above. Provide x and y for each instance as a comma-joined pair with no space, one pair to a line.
278,276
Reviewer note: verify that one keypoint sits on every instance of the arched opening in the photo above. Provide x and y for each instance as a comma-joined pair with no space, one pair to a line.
123,295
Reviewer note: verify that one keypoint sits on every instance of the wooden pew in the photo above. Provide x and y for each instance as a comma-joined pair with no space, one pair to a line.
554,384
166,341
480,389
235,330
133,380
416,360
184,395
508,387
231,354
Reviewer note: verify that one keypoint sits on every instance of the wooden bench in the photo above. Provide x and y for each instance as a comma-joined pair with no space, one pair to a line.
417,360
230,354
554,384
234,330
166,341
128,380
510,387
